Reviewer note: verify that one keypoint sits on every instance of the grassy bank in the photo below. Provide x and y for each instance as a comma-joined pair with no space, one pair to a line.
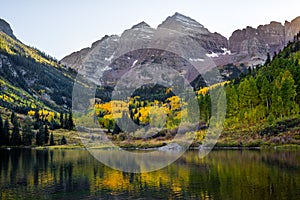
282,134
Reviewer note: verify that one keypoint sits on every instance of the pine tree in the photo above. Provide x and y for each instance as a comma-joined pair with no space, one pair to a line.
61,120
52,139
266,92
46,133
288,92
268,59
116,130
63,140
1,132
37,122
27,132
15,136
6,133
12,117
40,136
232,101
66,122
248,93
70,121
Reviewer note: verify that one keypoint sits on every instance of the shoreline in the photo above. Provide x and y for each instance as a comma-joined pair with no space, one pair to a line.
80,147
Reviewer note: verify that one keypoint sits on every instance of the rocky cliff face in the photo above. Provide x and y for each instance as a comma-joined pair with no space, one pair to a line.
178,34
5,28
185,37
251,45
292,28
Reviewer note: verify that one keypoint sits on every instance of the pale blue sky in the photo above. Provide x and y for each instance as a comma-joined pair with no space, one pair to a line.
60,27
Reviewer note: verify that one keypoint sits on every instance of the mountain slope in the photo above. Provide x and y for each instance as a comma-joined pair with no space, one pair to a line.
247,47
186,45
30,74
5,28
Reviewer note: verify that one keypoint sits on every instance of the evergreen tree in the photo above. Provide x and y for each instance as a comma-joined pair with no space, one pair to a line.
266,92
66,122
61,120
116,130
268,59
70,121
40,136
6,133
15,136
63,140
288,92
248,93
27,132
1,132
12,117
37,122
232,101
46,133
52,139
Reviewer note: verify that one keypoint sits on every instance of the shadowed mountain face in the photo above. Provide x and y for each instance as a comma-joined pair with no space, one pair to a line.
5,28
195,43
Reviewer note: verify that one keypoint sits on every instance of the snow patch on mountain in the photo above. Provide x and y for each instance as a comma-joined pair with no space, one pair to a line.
133,64
196,59
106,68
212,55
110,58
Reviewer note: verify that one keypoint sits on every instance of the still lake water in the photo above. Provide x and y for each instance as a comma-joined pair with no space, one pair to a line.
223,174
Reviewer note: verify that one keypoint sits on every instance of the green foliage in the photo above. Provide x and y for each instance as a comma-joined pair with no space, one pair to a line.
46,133
27,132
270,92
14,47
15,136
63,140
1,132
52,140
6,134
40,136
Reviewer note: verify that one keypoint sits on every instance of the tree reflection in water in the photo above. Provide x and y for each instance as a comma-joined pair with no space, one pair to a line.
224,174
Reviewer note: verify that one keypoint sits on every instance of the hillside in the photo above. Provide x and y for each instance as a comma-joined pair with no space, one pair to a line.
263,107
34,76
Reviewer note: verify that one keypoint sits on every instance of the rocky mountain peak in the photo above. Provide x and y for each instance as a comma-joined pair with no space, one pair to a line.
296,20
251,45
141,25
5,28
180,22
184,19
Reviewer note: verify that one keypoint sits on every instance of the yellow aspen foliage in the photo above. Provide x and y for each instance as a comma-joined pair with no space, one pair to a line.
205,90
31,113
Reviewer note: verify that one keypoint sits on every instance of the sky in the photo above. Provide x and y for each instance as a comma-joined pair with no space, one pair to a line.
60,27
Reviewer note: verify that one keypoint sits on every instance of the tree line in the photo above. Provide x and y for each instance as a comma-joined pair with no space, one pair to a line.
31,132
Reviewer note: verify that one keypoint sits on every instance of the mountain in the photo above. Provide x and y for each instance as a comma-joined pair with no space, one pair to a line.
29,78
188,39
251,45
178,41
5,28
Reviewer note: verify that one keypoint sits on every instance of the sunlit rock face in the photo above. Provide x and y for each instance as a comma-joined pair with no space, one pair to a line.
251,45
112,56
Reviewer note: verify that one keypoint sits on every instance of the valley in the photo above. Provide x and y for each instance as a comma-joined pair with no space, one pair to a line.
257,68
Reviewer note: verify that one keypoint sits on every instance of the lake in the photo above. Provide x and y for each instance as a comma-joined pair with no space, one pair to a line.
223,174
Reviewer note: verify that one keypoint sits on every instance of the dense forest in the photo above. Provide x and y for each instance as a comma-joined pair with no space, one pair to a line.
36,127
